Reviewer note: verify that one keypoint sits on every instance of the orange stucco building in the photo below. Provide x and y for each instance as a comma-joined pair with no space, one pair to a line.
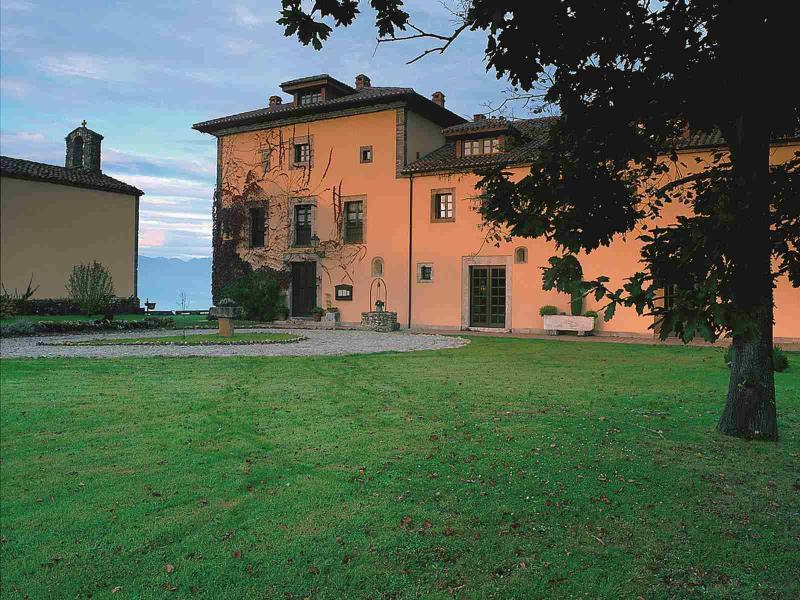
344,185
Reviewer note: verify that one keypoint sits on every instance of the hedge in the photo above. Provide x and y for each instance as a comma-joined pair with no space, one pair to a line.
21,328
65,306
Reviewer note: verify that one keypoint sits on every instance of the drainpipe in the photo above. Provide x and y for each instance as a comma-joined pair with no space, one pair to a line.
410,240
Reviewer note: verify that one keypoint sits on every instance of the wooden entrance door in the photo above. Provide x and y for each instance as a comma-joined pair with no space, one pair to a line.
487,296
304,288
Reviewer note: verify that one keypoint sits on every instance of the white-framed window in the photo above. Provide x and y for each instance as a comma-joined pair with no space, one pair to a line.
472,147
491,146
443,205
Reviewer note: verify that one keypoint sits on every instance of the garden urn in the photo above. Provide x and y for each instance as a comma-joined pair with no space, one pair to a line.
226,311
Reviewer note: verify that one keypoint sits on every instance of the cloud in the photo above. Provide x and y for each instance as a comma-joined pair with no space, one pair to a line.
23,137
16,88
245,16
131,162
176,215
152,238
166,186
77,65
240,47
17,5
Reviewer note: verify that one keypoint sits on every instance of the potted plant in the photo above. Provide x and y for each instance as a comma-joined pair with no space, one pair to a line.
317,312
281,312
332,314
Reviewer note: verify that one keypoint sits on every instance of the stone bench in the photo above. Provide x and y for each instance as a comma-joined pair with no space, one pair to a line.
555,323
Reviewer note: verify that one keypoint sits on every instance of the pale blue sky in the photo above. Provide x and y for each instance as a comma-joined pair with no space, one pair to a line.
141,73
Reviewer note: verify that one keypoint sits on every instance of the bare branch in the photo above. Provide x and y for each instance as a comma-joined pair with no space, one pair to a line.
422,34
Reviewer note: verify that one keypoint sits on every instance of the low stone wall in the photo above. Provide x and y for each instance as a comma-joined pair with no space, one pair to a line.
380,321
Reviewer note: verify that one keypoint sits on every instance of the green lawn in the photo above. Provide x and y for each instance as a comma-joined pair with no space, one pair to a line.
506,469
195,339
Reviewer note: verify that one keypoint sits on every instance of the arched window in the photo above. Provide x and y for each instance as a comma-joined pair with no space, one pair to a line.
77,152
521,255
377,267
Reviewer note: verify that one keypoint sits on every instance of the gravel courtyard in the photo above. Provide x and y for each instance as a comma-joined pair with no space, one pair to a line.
319,342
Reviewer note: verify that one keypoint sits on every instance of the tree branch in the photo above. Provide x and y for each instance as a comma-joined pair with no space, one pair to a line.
421,34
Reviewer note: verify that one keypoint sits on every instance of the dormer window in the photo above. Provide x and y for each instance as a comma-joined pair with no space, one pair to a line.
491,146
309,98
485,146
472,147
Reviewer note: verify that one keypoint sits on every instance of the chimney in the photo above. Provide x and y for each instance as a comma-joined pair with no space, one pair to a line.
362,81
478,117
438,98
275,100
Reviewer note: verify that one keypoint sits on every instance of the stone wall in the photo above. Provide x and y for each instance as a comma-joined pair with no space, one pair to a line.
380,321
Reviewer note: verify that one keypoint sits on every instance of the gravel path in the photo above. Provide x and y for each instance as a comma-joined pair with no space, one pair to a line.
319,342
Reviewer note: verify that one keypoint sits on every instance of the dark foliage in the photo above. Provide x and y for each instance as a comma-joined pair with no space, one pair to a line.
20,328
65,306
259,293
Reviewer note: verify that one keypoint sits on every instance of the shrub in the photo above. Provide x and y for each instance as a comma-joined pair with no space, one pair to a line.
91,287
12,302
548,309
17,328
591,313
258,293
780,362
65,306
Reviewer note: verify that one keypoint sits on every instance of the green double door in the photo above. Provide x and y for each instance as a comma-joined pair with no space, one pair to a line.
487,294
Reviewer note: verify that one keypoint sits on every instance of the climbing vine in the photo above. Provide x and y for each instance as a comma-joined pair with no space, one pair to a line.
257,170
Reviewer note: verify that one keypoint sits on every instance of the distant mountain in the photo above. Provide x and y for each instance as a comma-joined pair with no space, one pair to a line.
161,280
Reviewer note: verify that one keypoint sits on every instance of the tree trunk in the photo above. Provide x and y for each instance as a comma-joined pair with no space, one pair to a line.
750,407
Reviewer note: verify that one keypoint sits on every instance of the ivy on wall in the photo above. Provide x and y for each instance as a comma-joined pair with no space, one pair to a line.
247,179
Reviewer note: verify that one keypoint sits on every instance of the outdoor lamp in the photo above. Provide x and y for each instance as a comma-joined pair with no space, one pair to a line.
314,241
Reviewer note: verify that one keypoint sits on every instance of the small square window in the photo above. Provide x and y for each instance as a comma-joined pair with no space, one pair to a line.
365,154
521,255
424,272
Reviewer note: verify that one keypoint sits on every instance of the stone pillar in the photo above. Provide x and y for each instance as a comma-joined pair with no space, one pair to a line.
225,327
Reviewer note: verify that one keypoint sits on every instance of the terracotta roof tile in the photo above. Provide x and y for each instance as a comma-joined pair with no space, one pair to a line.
36,171
365,96
533,137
